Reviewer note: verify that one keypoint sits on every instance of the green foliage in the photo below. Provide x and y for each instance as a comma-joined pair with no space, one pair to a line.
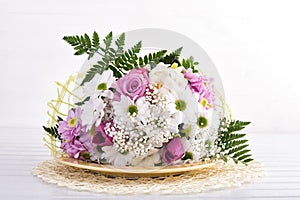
83,44
126,61
152,58
231,143
190,63
108,56
187,155
82,102
172,57
53,130
104,62
115,58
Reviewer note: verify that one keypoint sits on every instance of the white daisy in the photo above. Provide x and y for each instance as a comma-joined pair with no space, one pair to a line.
100,85
92,112
195,146
113,156
187,104
125,107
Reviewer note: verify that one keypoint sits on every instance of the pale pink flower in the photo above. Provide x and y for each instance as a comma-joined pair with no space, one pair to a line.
173,150
133,84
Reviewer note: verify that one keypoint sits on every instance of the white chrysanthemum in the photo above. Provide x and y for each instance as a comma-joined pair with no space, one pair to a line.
172,83
195,146
100,85
199,141
113,156
143,126
92,112
124,108
187,104
166,79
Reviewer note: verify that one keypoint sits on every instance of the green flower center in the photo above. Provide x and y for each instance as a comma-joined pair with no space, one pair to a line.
180,105
132,109
102,86
72,122
202,122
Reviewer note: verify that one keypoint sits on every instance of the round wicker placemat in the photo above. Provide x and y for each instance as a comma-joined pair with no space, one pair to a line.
220,176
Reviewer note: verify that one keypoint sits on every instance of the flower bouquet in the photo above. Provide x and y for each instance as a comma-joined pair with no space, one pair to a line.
128,109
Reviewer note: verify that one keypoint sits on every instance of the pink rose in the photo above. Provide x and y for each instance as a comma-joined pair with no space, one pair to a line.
173,151
101,138
133,84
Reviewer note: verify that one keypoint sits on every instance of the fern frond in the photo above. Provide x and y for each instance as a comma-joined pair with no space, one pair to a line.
152,58
120,42
53,130
126,61
228,137
96,40
172,57
237,125
237,149
108,55
240,153
83,44
107,42
95,69
232,144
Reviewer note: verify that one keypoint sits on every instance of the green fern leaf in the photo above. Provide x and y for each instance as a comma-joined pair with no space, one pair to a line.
87,41
237,125
237,149
127,61
151,58
120,42
243,157
172,57
53,130
95,40
240,153
233,137
232,144
95,69
83,44
247,160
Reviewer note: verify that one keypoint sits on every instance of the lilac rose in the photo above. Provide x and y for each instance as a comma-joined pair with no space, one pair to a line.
133,84
101,138
173,150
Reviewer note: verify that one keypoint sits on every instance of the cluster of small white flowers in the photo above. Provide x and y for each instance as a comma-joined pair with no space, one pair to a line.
151,94
142,133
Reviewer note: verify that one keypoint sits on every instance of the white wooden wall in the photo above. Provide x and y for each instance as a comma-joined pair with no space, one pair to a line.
255,45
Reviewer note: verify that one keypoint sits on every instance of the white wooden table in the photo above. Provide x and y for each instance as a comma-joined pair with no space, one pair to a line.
21,149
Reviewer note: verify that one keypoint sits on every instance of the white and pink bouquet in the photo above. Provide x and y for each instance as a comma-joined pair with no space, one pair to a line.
151,110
